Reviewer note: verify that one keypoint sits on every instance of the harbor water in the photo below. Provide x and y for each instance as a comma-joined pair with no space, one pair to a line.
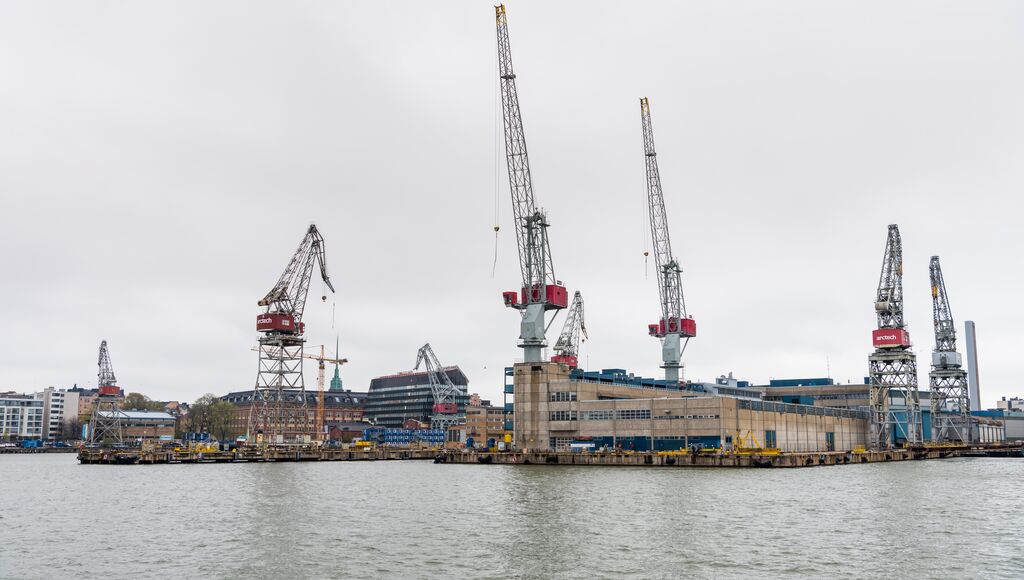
957,518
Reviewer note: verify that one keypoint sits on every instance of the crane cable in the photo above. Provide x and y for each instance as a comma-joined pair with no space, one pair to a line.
494,265
645,224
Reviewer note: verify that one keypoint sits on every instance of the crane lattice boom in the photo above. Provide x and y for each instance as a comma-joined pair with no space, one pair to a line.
567,347
891,332
889,303
106,372
445,393
288,296
945,331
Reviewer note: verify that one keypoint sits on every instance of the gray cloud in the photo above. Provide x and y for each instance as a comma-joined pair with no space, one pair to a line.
162,161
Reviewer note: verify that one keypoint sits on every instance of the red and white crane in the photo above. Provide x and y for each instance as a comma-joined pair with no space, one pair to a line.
105,420
446,394
893,365
541,291
279,409
567,347
676,327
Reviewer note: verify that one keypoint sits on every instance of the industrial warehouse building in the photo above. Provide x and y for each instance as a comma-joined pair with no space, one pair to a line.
393,399
556,407
553,409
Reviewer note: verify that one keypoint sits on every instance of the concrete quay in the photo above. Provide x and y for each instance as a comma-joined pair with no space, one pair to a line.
744,459
247,455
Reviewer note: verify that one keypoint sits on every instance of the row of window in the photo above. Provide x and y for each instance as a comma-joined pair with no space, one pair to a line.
686,416
563,396
603,415
616,414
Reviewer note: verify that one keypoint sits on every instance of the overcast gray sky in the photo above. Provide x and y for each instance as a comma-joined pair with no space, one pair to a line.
162,160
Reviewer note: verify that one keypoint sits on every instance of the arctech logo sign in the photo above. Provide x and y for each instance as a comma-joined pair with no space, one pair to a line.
890,337
280,321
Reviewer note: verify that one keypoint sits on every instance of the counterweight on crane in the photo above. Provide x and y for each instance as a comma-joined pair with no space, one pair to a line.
947,381
445,393
105,421
676,328
541,291
893,366
279,410
567,347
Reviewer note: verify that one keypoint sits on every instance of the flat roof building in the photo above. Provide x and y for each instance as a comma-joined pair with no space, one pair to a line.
392,399
21,417
554,408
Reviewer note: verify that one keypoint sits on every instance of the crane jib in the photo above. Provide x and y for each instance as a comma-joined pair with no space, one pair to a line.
674,319
539,285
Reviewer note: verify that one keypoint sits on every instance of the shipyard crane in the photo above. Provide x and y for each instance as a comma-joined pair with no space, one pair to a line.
445,393
947,381
105,421
892,366
275,414
541,291
567,347
676,328
322,359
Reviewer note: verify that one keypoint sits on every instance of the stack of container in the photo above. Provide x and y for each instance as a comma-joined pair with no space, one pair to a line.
403,437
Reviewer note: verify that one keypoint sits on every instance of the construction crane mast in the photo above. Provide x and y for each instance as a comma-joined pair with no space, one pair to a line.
105,421
541,291
947,381
892,366
676,328
276,415
567,347
445,393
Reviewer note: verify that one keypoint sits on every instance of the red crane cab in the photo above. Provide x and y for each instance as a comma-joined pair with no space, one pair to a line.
572,361
446,408
554,296
109,390
276,322
511,299
686,327
890,338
